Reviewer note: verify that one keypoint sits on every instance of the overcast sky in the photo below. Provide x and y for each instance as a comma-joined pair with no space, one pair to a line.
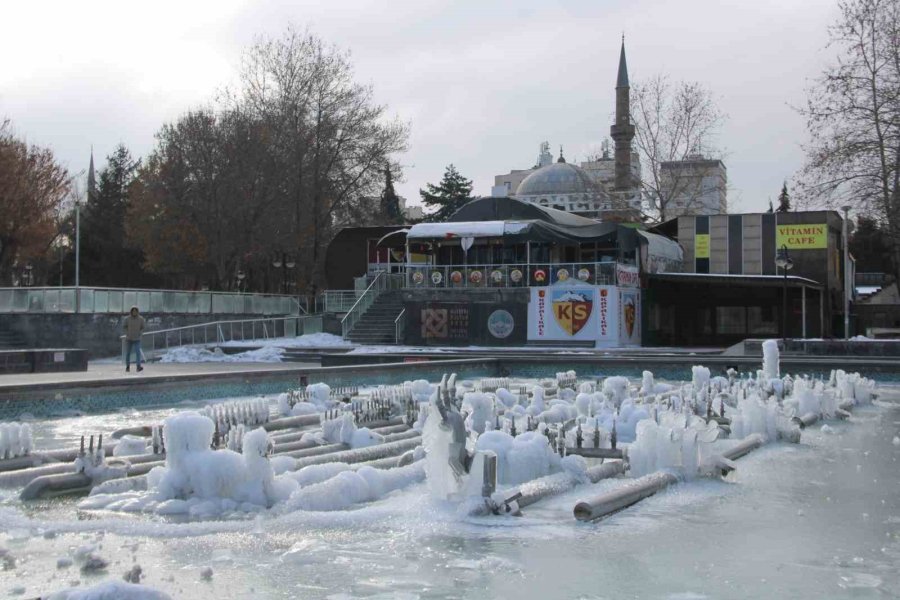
481,83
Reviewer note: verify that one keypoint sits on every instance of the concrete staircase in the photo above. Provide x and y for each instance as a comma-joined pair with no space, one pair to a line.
376,326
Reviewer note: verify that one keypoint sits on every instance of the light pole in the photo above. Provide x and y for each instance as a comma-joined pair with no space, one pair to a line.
783,261
240,280
847,283
283,262
77,243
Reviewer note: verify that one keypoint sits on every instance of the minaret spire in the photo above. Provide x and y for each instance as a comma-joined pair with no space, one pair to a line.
622,131
622,79
91,180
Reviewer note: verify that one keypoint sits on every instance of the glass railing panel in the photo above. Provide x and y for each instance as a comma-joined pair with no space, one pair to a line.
117,302
129,299
143,301
85,300
67,300
158,302
35,301
101,301
51,301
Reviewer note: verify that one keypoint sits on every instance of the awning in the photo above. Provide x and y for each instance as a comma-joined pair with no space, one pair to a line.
730,279
659,254
433,231
395,237
516,231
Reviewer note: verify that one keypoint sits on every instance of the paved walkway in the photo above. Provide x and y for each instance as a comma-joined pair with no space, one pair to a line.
105,373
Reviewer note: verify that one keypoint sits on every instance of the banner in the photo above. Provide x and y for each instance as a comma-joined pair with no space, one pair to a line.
627,276
578,313
629,317
701,245
802,237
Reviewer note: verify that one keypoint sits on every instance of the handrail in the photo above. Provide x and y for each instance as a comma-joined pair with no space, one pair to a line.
220,328
351,317
399,326
383,280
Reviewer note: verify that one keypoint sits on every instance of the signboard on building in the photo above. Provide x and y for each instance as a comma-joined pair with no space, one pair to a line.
629,317
464,323
701,245
802,237
627,276
578,313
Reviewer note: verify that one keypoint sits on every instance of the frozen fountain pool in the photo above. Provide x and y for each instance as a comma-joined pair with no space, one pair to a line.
819,519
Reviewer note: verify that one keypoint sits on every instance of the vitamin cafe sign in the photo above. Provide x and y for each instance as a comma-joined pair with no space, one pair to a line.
802,237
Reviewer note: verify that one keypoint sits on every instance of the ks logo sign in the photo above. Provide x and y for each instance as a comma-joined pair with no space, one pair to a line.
572,309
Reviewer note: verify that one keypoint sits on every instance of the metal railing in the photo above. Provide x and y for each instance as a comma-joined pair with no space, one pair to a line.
338,301
506,276
218,332
118,300
382,283
399,327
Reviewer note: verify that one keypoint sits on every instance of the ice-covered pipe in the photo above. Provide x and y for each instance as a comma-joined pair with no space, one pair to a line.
553,485
23,477
361,454
806,420
38,458
597,452
606,504
739,450
73,483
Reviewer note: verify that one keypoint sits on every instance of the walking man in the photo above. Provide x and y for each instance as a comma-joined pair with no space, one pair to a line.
133,328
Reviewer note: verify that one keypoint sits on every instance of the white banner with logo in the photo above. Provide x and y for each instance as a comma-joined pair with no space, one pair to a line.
576,313
629,317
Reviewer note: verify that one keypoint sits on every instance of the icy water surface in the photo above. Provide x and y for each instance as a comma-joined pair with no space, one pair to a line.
818,520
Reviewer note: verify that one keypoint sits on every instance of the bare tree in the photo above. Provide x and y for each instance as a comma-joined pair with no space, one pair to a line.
33,187
274,167
333,140
853,118
673,121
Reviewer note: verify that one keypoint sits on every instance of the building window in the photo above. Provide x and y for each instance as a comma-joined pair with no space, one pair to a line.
761,320
731,319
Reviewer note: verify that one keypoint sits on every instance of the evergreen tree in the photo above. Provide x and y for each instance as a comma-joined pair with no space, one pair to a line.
870,246
107,259
448,196
390,202
784,199
771,209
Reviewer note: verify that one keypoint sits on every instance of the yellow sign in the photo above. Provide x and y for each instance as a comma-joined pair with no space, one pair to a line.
701,245
802,237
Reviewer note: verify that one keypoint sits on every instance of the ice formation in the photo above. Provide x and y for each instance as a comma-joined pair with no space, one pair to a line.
130,445
15,440
679,442
521,458
771,368
110,590
203,482
245,412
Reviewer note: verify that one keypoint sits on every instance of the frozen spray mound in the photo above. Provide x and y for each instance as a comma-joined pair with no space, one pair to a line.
111,590
202,482
15,440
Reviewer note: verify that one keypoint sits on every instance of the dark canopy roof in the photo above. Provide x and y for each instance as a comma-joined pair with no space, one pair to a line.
536,223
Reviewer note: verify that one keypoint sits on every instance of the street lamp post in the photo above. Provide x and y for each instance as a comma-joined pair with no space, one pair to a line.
784,262
283,262
847,283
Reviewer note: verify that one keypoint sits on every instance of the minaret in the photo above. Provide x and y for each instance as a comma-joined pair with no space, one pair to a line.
91,181
622,131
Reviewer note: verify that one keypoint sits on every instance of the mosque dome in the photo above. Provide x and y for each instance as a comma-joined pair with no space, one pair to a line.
557,179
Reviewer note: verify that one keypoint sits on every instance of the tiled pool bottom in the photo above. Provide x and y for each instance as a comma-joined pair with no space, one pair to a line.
99,400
